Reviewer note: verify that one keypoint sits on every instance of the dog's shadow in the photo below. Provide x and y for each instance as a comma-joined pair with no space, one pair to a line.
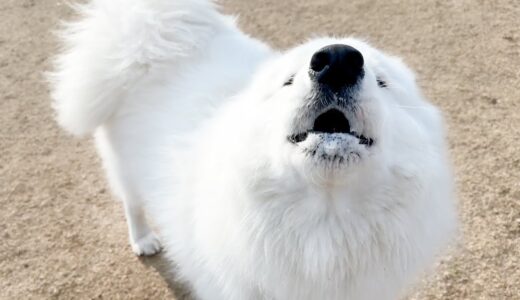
180,290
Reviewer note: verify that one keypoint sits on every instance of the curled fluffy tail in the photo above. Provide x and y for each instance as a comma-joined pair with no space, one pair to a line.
113,45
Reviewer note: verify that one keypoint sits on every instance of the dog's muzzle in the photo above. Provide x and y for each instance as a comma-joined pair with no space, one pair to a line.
335,71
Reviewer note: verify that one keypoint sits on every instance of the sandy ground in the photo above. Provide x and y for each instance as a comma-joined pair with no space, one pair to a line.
62,236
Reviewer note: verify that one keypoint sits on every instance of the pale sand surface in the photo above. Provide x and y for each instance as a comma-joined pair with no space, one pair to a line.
63,237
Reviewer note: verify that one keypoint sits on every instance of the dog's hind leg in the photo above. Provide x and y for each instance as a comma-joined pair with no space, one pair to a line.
126,180
142,238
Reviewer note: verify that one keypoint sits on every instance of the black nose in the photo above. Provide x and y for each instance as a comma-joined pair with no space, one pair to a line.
337,66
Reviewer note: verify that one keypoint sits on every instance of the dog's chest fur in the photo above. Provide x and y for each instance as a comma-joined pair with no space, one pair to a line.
315,242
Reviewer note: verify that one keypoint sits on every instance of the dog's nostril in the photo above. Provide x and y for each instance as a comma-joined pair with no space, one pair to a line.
319,61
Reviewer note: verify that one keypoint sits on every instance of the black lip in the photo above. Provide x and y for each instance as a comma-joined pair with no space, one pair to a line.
365,141
301,137
298,138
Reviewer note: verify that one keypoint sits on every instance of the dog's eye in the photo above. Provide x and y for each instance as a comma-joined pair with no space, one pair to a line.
289,81
381,83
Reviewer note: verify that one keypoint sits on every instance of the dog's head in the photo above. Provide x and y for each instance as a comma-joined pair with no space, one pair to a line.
329,106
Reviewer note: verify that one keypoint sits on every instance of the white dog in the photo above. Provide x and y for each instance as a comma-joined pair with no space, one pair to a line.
314,173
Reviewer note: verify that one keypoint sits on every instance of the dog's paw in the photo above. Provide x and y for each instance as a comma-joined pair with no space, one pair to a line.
146,245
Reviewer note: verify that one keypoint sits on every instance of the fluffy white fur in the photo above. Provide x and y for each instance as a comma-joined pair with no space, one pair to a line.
192,119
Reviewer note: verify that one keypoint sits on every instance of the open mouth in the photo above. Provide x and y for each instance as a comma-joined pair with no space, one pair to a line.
332,121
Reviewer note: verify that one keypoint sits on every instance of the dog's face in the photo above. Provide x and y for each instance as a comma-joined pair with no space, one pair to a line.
332,105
